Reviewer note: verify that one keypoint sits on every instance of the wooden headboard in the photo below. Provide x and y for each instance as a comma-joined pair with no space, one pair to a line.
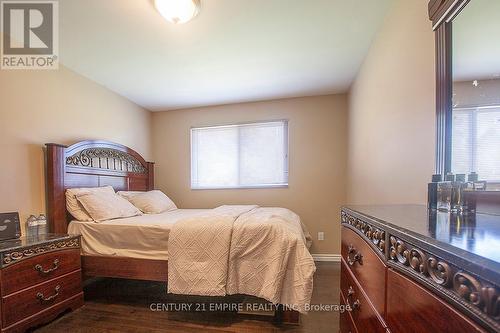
91,164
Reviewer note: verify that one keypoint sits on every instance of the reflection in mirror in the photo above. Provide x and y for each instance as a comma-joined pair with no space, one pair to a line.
476,90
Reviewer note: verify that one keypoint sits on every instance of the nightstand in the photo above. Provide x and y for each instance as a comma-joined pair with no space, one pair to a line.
40,277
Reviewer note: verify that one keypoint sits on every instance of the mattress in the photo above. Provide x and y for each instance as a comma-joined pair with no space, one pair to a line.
142,237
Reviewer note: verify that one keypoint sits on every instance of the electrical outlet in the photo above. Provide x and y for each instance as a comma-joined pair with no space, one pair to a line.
321,235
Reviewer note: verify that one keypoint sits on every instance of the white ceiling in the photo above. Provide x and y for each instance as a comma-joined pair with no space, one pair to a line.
476,47
234,51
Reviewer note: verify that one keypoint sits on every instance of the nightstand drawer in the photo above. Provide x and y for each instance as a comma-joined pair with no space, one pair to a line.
28,302
38,269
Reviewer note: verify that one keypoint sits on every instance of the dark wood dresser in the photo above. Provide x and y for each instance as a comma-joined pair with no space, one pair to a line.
406,269
40,277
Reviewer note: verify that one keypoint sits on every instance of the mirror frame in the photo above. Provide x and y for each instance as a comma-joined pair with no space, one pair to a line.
442,13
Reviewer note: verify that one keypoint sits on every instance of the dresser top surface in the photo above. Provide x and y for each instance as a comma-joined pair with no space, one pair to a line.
469,236
24,242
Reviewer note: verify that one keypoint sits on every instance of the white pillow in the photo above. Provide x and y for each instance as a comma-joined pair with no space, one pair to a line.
102,206
75,208
152,202
129,194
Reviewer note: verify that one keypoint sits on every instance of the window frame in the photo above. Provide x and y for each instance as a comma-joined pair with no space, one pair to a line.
286,159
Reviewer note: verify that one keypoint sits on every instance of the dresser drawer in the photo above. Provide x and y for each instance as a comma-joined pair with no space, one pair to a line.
366,266
346,323
411,308
25,303
39,269
363,314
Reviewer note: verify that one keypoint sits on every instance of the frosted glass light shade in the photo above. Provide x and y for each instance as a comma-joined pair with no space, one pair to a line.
178,11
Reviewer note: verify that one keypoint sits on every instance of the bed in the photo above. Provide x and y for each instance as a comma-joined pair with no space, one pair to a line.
101,163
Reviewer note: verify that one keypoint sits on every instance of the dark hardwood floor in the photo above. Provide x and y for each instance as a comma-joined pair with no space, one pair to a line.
113,305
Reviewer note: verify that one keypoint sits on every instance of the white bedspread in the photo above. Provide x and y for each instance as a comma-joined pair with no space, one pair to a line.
142,237
242,250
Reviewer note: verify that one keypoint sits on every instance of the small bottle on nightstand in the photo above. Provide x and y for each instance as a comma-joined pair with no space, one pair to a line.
42,224
31,226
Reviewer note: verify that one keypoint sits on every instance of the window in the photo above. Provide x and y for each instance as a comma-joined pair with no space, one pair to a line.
476,141
240,156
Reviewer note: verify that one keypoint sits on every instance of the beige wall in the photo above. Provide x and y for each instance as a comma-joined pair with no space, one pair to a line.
392,112
317,161
59,106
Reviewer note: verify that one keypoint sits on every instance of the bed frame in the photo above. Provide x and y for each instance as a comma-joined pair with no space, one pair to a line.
93,164
102,163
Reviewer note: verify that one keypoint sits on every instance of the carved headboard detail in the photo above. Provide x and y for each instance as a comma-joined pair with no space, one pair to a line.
91,164
106,158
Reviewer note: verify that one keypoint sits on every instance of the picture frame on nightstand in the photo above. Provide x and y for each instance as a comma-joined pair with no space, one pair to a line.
10,227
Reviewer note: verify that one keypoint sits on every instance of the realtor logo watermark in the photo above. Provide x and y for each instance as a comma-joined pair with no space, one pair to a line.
30,34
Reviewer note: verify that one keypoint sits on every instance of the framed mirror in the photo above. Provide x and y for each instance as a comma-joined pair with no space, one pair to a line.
468,87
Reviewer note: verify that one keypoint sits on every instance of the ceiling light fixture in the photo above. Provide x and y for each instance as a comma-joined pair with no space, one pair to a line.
178,11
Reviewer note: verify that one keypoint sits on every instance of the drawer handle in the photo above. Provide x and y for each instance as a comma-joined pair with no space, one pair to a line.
55,265
356,305
350,292
42,298
352,259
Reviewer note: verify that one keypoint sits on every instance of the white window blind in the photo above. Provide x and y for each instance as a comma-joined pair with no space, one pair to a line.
476,142
239,156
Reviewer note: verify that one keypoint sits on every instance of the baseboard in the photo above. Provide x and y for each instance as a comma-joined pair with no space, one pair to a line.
326,257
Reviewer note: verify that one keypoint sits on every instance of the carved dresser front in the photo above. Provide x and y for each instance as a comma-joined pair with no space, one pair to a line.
407,269
40,278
